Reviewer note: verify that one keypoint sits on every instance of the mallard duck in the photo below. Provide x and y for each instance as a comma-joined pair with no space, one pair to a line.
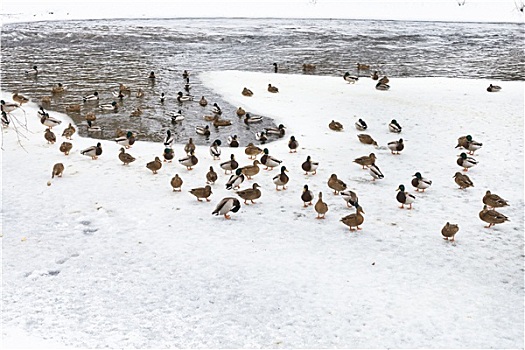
463,181
32,71
308,67
249,119
46,100
5,120
382,87
261,136
73,108
183,98
384,80
363,66
20,99
269,161
58,169
168,140
178,116
351,79
275,68
396,146
50,136
493,88
252,151
240,112
221,122
494,201
375,75
127,140
124,157
226,205
469,144
69,131
251,170
42,112
215,149
354,220
232,141
136,113
321,207
365,161
230,165
185,74
202,192
155,165
492,217
449,231
350,198
361,125
420,183
281,179
139,93
113,107
91,116
366,139
394,127
152,75
124,89
176,183
8,107
272,89
375,172
336,126
216,109
65,147
404,197
310,167
162,97
247,92
50,122
250,194
235,180
307,196
465,161
279,131
211,176
190,161
118,94
189,147
203,102
92,127
203,130
335,184
293,144
168,154
92,97
94,151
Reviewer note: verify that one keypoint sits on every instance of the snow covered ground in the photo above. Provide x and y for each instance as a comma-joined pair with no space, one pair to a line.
110,256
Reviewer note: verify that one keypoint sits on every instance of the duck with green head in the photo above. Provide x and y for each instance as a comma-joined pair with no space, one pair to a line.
404,197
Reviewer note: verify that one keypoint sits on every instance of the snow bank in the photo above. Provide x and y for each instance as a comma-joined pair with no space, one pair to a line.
109,255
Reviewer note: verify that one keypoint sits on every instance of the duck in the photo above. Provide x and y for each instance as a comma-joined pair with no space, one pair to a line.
152,75
240,112
124,89
375,172
176,183
232,141
124,157
268,161
307,196
251,170
365,161
226,205
465,161
42,112
335,184
58,169
178,116
279,131
382,87
354,220
396,146
50,121
139,93
321,207
209,118
250,194
350,198
73,108
351,79
249,119
261,136
203,130
336,126
375,75
94,151
32,71
363,66
216,109
308,67
230,165
272,89
275,67
93,128
492,217
118,94
361,125
215,149
211,176
404,198
449,231
168,154
169,139
494,201
185,74
50,136
384,80
127,140
8,107
293,144
65,147
46,100
20,99
463,181
235,180
420,183
92,97
91,116
5,120
109,106
155,165
183,98
394,126
221,122
469,144
247,92
493,88
309,166
281,179
69,131
252,151
366,139
202,192
190,161
162,97
137,112
189,147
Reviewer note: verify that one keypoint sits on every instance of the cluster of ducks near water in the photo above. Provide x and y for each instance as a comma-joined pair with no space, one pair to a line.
239,174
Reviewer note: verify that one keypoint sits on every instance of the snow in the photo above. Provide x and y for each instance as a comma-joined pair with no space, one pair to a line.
110,256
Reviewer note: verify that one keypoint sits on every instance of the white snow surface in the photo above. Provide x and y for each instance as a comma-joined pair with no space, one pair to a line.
110,256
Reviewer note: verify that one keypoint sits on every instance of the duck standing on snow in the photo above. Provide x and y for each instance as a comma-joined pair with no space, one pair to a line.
94,151
250,194
366,139
124,157
20,99
293,144
230,165
492,217
375,172
189,147
493,88
69,131
127,140
420,183
281,179
404,197
307,196
65,147
361,125
272,89
472,145
382,87
190,161
235,180
232,141
365,161
449,231
492,200
215,149
168,154
310,167
335,184
251,170
50,136
351,79
58,169
354,220
463,181
176,183
168,141
92,97
203,102
350,198
226,205
155,165
50,122
394,126
252,151
321,207
247,92
8,107
211,176
396,146
375,75
269,161
335,126
202,192
465,161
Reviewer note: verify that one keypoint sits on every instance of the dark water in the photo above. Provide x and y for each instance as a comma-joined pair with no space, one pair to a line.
99,54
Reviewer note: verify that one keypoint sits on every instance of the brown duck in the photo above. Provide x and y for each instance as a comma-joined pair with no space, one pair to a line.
124,157
155,165
335,184
307,196
211,176
251,170
58,169
354,220
50,136
176,183
250,194
252,151
272,89
247,92
492,217
240,112
202,192
336,126
69,131
65,147
449,231
494,201
321,207
365,161
462,180
367,139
